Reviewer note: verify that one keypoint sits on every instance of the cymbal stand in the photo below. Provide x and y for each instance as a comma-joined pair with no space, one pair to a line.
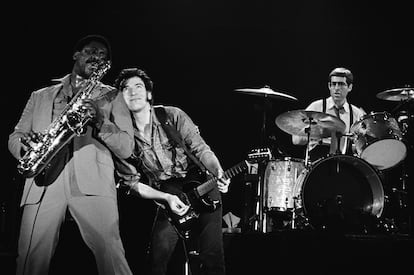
307,151
401,191
295,216
261,224
400,105
264,118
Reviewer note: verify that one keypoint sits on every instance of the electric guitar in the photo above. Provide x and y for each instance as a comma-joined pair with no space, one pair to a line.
195,196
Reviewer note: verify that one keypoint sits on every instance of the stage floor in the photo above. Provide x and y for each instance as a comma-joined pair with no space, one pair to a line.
297,252
281,252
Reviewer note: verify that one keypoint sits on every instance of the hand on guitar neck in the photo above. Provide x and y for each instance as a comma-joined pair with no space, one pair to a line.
222,182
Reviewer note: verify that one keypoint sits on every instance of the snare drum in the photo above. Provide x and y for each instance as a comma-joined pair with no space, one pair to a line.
378,140
279,181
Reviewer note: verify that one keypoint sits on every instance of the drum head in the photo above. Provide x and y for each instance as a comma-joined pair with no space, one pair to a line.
342,192
385,154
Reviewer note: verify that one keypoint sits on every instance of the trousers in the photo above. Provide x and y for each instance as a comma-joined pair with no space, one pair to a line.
207,233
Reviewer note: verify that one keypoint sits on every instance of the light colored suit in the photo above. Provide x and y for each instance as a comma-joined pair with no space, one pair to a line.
86,187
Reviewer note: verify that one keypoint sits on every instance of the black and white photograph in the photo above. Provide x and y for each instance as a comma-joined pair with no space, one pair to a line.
207,137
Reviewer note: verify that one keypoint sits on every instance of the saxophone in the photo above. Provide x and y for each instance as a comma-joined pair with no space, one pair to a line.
72,120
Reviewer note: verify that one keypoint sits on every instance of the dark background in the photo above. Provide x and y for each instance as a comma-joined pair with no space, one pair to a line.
199,52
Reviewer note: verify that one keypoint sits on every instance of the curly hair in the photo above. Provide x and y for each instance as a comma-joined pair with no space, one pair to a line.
127,73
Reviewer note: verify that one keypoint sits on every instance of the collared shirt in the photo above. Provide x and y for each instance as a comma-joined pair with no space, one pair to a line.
158,158
63,97
61,100
357,113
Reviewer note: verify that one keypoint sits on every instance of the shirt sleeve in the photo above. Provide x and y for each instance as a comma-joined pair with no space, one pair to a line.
192,137
116,130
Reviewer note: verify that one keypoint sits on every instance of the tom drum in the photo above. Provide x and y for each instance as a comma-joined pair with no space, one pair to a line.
378,140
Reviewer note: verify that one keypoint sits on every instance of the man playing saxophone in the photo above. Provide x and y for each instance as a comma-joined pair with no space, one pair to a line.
79,179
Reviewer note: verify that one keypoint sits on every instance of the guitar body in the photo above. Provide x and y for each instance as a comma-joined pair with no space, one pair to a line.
187,192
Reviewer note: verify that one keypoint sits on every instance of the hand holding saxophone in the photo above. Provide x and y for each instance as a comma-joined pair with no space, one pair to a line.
29,139
91,109
86,112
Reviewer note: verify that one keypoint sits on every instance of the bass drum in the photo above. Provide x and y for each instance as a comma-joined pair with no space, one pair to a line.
340,192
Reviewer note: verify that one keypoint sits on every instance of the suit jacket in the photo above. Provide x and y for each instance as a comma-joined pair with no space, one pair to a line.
92,155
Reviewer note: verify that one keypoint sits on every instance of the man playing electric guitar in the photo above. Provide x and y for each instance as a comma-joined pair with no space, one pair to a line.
165,159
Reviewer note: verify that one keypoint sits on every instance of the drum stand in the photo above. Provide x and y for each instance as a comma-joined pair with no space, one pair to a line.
298,220
260,216
403,218
401,212
295,216
307,151
255,217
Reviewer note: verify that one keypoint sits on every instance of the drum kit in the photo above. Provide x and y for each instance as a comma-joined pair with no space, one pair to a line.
345,192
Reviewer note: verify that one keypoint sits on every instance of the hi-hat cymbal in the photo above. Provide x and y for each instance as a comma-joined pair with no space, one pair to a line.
397,94
266,92
319,125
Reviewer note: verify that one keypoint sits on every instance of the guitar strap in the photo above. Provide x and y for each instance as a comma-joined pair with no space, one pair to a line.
174,135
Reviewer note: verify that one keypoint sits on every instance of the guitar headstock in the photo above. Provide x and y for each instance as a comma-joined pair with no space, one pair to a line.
259,154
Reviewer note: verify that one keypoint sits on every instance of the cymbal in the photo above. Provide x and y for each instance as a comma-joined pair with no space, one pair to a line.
321,125
397,94
267,92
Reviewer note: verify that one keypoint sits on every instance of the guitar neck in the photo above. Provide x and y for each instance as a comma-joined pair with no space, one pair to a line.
207,186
